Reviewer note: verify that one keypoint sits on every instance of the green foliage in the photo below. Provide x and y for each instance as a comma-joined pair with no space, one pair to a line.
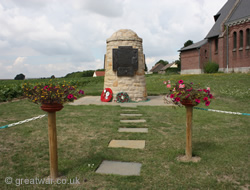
146,68
178,62
172,71
20,77
186,91
10,89
51,92
8,92
188,43
211,67
79,74
221,84
88,73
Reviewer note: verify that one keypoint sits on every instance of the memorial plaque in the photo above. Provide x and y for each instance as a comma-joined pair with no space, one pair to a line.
125,60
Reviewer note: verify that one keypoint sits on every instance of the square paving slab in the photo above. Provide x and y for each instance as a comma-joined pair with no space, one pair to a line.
133,130
133,121
130,110
135,144
130,114
119,168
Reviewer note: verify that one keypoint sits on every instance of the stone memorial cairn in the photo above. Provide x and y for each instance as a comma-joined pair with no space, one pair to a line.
125,65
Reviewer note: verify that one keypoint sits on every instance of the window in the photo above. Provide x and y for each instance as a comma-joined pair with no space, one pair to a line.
248,37
216,45
235,40
241,39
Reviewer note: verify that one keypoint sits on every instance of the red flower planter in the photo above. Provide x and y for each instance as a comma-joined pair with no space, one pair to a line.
51,107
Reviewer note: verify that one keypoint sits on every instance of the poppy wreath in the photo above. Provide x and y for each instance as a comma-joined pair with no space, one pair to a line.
106,95
122,97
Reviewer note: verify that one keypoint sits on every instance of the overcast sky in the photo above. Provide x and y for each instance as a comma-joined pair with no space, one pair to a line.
40,38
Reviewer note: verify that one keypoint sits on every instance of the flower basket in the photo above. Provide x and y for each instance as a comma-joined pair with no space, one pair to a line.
188,95
51,107
51,96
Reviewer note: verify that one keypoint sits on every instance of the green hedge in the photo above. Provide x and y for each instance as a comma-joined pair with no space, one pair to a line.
211,67
172,71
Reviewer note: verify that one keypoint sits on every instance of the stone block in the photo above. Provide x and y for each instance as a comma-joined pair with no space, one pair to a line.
119,168
134,144
133,121
133,130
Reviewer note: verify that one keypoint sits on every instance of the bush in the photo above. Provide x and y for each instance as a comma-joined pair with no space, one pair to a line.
211,67
79,74
172,71
20,77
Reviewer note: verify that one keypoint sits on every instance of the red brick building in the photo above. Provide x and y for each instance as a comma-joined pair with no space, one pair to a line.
227,43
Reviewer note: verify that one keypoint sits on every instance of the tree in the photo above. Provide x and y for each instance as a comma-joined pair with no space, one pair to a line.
20,77
146,68
53,77
178,63
188,43
163,62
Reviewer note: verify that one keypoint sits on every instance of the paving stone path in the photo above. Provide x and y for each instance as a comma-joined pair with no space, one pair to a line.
125,168
133,130
140,144
130,114
133,121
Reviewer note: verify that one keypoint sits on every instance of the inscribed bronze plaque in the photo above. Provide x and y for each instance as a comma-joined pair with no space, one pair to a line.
125,60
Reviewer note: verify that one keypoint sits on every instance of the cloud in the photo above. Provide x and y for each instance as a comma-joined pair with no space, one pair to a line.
108,8
58,37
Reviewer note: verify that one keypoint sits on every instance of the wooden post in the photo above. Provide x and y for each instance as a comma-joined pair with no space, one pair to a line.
52,145
189,116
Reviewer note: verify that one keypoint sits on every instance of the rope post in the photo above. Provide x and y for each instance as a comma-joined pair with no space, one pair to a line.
52,145
189,116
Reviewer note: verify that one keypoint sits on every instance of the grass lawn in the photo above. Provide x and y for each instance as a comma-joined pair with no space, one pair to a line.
83,134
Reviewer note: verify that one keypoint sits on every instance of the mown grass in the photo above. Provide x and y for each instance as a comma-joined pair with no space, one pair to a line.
221,140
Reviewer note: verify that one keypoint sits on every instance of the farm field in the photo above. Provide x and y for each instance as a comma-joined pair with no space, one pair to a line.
83,132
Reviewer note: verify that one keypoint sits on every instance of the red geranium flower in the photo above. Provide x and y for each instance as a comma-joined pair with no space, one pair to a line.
180,81
205,99
207,103
197,100
81,92
172,96
177,99
70,96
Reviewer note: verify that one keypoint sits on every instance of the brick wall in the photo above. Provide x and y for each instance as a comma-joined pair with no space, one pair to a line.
239,56
190,59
